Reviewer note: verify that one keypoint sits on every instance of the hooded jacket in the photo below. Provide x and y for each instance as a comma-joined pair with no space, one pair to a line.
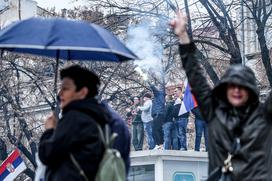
76,133
251,123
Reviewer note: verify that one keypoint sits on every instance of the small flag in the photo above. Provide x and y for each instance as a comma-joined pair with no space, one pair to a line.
189,101
12,166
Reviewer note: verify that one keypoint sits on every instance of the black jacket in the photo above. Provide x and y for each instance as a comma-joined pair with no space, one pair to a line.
169,107
252,123
137,118
176,109
76,133
197,114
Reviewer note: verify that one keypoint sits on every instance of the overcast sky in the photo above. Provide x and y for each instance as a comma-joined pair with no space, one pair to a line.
59,4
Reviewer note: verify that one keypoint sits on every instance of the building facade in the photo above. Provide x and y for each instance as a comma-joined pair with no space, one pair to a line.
14,10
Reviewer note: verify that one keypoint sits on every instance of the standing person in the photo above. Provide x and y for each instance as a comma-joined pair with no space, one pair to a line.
158,114
129,118
239,125
200,127
169,128
122,141
129,115
181,120
147,119
76,132
137,126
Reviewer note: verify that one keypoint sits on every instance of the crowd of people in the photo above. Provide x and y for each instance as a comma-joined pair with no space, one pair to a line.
164,126
239,125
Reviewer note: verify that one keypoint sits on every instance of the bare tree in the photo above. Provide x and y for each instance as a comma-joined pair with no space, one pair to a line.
261,14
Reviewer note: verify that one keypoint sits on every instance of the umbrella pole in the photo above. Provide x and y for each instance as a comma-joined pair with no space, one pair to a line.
56,102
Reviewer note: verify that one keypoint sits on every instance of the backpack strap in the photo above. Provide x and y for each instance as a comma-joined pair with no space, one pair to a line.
107,140
81,172
107,137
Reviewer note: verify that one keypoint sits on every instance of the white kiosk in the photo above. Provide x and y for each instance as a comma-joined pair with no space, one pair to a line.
168,165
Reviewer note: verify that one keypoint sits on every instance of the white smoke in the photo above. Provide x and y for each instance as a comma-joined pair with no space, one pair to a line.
144,75
142,42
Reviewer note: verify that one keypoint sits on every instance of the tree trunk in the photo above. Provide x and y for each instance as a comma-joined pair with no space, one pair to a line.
209,69
3,150
265,53
204,61
226,32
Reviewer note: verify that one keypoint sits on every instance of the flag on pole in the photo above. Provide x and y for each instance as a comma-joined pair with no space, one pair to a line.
189,101
12,166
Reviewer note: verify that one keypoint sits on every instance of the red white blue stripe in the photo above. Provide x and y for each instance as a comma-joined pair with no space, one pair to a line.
189,101
12,166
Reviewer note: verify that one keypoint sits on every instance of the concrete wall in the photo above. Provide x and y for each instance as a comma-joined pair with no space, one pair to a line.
169,165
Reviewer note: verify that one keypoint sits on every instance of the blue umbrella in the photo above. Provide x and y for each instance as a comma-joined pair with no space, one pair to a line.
64,39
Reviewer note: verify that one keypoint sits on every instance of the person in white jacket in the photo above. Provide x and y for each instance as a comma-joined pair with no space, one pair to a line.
147,119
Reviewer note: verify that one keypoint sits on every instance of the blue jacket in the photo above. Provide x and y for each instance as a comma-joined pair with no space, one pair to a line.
158,102
122,142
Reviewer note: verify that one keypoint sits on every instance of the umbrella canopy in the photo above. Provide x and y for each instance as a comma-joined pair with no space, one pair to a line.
65,39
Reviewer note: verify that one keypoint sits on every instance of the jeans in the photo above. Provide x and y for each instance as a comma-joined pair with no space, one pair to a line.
174,137
148,130
182,129
157,129
200,126
170,136
138,136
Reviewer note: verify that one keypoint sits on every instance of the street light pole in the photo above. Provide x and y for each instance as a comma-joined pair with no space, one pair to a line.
19,10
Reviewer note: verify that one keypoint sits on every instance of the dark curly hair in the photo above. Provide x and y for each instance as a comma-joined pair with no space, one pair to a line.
82,77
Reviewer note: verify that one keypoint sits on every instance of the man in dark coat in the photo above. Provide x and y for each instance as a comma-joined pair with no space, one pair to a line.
238,124
158,114
181,120
76,132
170,137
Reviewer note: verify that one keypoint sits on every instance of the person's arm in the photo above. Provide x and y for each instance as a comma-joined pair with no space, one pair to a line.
190,62
154,90
146,106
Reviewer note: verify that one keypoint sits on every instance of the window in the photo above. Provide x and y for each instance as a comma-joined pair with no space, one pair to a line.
142,173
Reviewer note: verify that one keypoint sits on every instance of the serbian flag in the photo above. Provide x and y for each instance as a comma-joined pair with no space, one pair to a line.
12,166
189,101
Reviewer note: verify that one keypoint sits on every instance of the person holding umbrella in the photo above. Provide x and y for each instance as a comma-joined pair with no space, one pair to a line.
239,126
76,132
79,40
